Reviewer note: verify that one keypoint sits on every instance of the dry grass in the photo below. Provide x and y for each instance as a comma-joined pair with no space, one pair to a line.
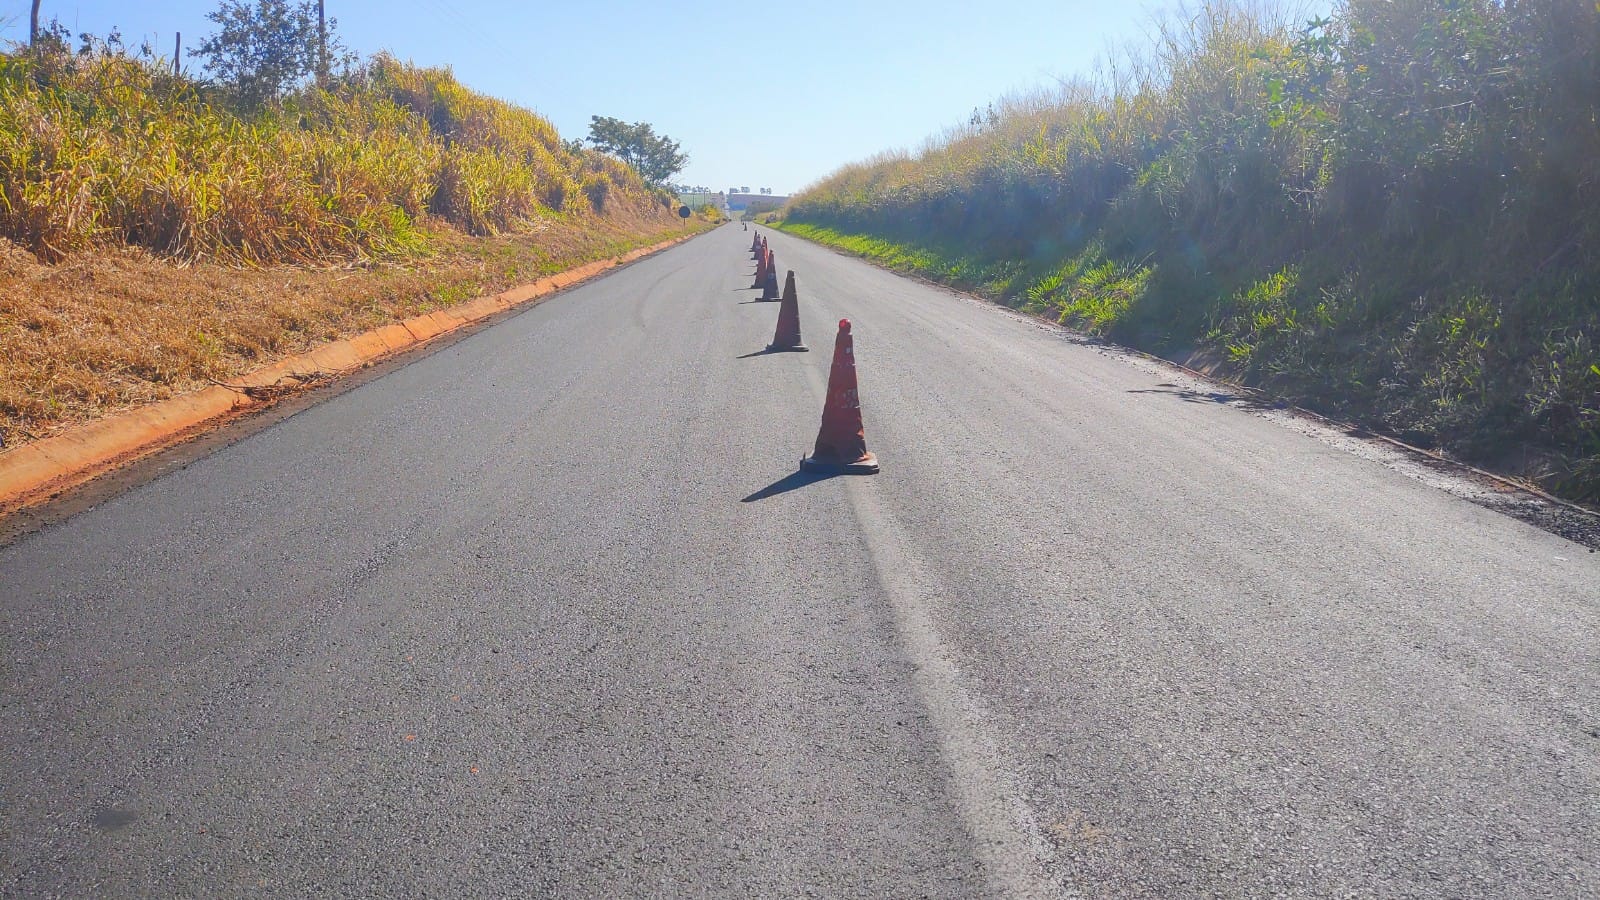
108,329
101,149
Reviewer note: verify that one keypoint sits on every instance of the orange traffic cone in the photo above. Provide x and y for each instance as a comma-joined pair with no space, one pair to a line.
787,337
842,440
769,284
761,271
755,246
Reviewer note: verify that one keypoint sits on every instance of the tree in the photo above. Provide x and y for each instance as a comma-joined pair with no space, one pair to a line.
655,157
263,50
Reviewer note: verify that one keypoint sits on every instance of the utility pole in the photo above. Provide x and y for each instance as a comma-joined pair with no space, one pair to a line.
33,25
322,43
177,51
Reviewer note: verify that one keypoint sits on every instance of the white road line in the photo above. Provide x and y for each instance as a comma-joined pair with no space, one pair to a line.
1010,843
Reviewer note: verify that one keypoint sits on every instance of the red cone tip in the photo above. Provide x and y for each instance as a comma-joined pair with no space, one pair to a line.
844,325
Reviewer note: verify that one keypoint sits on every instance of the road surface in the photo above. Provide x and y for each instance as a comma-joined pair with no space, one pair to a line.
548,613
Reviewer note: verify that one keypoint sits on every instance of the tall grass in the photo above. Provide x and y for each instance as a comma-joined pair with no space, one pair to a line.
102,148
1392,214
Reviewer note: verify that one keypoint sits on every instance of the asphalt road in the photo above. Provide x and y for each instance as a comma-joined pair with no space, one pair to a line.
547,613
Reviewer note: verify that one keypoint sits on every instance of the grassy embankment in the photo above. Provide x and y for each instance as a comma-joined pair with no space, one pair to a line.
152,239
1392,216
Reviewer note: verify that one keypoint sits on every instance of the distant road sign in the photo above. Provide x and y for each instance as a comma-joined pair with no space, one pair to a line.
683,212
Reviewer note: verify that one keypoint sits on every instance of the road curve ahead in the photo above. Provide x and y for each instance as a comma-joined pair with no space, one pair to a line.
549,613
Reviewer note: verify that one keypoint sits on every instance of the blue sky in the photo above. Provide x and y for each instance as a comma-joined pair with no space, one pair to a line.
759,93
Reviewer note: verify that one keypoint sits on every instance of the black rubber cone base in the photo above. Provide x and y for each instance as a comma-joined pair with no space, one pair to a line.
797,348
866,465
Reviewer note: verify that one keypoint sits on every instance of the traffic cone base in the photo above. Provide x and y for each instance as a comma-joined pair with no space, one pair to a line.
866,465
796,348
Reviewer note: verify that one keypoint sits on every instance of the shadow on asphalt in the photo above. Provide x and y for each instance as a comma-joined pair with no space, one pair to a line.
758,353
794,481
1222,397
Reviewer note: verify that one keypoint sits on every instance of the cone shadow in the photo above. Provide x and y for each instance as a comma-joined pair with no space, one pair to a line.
758,353
794,481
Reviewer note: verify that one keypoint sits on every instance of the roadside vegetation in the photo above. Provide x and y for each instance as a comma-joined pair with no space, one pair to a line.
1391,215
104,149
710,213
158,231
